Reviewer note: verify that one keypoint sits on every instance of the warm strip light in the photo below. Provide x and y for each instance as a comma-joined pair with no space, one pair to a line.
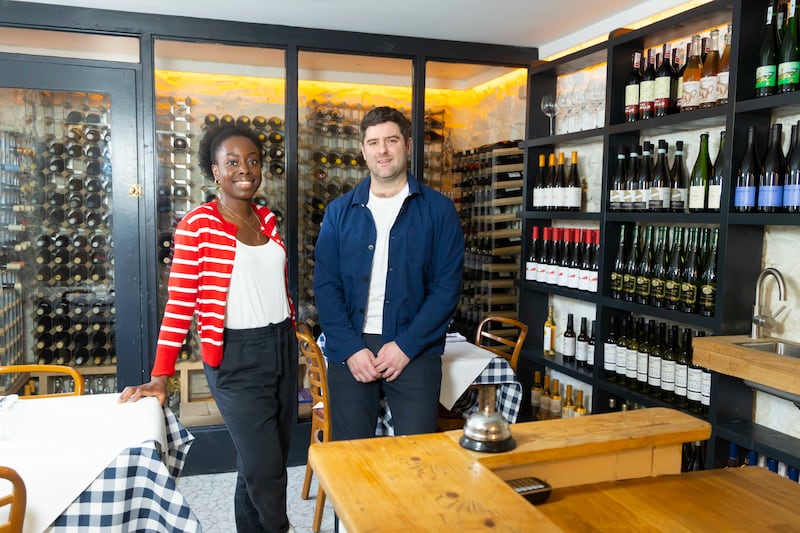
634,26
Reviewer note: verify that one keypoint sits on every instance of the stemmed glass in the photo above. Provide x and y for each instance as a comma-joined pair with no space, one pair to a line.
549,109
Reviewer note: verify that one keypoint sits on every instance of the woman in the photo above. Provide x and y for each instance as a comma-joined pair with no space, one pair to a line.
230,270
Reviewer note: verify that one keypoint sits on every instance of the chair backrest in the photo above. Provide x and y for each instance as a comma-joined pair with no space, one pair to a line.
507,336
317,378
76,376
17,501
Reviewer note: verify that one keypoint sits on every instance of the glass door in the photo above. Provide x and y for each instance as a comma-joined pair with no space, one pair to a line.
68,180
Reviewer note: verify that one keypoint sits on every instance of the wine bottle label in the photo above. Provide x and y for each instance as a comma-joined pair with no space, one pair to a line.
745,197
707,297
694,384
590,348
661,92
678,197
627,199
536,397
552,274
647,96
616,282
558,197
561,276
688,293
609,357
629,283
572,278
572,197
630,363
581,349
642,358
622,360
679,93
658,197
668,375
791,195
530,270
672,291
654,371
568,411
656,288
549,339
708,90
547,197
770,196
642,286
789,73
615,200
680,375
593,277
714,196
638,200
705,389
691,94
631,99
697,197
583,280
766,76
722,85
537,198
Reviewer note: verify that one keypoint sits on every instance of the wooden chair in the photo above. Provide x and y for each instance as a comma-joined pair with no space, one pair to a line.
320,422
54,369
509,345
17,501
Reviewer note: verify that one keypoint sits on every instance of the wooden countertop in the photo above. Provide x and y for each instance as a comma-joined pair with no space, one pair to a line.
429,482
735,499
723,355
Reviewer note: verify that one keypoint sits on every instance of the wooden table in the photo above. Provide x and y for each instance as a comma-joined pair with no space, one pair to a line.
429,483
735,499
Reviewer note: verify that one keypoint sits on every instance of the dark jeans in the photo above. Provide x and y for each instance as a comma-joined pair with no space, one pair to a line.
255,387
413,397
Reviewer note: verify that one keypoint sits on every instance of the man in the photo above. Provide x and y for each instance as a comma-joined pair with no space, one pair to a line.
387,277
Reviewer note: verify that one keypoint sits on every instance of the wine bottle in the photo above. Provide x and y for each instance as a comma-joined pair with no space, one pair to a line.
694,375
643,268
632,353
654,362
665,85
672,283
723,73
594,268
532,265
770,183
565,244
707,295
574,263
705,392
659,196
572,187
585,266
536,394
629,270
618,182
632,90
781,21
767,63
568,342
622,351
610,351
679,181
544,255
789,54
549,347
548,198
791,186
669,367
632,181
658,272
647,88
554,259
641,196
544,400
749,174
680,68
643,356
708,76
698,186
539,184
582,345
580,409
555,399
690,275
591,346
690,99
568,408
558,201
618,270
717,177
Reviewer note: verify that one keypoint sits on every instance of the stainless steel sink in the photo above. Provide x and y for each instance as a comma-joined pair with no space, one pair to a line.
776,347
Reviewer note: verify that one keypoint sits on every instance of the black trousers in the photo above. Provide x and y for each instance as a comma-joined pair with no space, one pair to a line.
413,397
255,388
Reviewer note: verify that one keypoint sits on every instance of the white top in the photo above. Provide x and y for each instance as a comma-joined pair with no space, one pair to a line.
257,292
384,212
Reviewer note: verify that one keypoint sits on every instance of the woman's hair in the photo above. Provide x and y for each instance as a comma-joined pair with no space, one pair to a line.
379,115
217,135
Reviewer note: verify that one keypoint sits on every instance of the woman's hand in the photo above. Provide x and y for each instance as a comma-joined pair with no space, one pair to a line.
157,387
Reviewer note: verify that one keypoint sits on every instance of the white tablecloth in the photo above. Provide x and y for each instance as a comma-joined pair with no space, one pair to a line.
60,445
462,363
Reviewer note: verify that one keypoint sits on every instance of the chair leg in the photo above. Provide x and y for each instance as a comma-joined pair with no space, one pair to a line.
306,482
320,507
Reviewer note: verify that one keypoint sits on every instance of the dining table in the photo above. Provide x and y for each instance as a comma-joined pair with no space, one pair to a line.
92,464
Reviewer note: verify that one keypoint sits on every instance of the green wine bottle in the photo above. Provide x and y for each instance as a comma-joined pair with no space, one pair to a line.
789,56
707,296
767,65
690,275
672,284
698,185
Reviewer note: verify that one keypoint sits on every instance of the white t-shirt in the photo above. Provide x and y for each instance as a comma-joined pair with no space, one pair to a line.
384,212
257,292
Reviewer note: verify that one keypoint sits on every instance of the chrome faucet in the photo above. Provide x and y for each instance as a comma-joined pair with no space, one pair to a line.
761,321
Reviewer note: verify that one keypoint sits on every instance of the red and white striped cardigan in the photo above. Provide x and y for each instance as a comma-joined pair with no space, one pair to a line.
202,262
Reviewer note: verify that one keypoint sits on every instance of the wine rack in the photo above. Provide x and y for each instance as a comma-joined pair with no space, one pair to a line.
491,189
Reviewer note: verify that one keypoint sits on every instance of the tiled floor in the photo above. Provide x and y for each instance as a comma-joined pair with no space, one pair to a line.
211,498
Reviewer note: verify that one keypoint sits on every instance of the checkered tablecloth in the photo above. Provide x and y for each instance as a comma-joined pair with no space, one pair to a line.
137,491
499,372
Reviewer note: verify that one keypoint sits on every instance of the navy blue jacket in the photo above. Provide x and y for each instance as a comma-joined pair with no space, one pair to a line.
423,283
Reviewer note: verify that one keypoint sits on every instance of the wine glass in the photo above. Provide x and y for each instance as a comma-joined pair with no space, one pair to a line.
549,108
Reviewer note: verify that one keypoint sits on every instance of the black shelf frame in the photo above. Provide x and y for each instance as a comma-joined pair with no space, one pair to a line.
741,235
562,215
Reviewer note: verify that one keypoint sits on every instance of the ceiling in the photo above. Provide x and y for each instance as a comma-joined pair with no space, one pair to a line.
550,25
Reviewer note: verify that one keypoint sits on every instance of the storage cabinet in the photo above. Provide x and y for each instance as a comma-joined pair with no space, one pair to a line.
741,236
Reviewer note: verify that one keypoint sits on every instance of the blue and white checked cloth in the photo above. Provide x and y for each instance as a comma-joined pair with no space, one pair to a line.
137,491
499,372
